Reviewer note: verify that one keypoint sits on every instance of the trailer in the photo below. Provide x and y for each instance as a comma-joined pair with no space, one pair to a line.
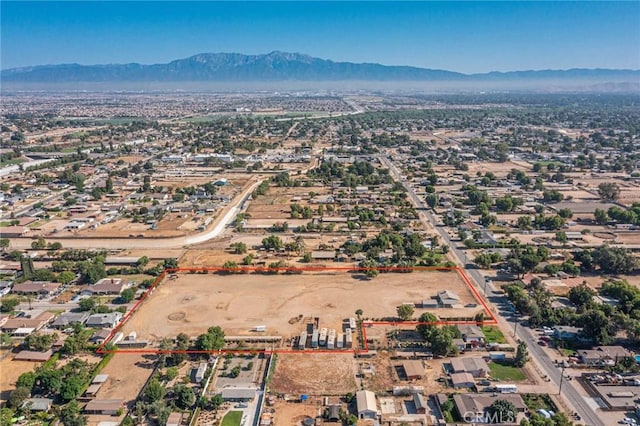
331,339
322,339
352,323
314,338
340,341
302,342
348,338
260,328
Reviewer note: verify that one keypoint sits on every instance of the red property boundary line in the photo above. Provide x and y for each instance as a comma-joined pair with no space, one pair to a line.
292,270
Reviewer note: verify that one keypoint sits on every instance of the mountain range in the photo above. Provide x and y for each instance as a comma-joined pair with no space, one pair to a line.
281,66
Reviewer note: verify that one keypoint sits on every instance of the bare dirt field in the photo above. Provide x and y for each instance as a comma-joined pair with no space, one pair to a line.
191,303
499,169
385,376
314,375
292,413
127,374
9,372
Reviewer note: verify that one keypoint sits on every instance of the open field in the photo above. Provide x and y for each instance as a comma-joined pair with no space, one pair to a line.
10,370
127,374
314,375
193,302
293,413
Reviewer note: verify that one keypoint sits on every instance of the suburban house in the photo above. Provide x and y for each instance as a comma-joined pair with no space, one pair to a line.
35,323
106,286
414,370
100,336
471,334
109,320
420,403
475,406
462,380
607,355
367,406
68,318
476,366
36,288
238,394
566,332
447,299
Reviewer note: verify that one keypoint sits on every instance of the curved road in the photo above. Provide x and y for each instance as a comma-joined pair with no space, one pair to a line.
571,395
226,217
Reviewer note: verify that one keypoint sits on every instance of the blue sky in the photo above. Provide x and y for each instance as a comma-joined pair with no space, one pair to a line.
458,36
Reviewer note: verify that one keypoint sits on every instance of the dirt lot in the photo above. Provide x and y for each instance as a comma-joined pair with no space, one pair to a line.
314,375
275,205
293,413
127,374
385,375
193,302
9,372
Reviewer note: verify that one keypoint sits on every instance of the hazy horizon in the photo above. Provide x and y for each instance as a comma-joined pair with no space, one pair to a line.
466,37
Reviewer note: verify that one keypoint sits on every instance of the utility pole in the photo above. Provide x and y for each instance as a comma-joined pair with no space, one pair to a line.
515,325
561,380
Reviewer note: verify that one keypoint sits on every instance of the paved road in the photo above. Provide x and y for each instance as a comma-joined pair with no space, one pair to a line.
589,417
227,217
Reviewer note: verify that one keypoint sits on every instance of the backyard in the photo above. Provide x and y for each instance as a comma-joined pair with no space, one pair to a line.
232,418
506,372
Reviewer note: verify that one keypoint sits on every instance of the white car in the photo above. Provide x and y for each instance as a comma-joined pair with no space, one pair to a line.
628,421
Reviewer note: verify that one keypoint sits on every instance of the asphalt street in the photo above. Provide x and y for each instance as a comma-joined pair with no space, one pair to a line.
537,353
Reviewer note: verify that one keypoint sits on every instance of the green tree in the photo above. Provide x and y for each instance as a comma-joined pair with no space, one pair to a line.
9,304
432,200
239,248
596,325
39,244
213,339
71,415
441,341
609,191
427,329
18,396
185,398
272,242
40,342
614,260
50,380
405,312
561,237
87,304
522,355
65,277
92,271
72,387
581,296
4,244
127,295
6,414
154,391
601,217
26,380
502,411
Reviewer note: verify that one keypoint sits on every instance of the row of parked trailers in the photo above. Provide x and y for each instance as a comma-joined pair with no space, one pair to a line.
328,338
